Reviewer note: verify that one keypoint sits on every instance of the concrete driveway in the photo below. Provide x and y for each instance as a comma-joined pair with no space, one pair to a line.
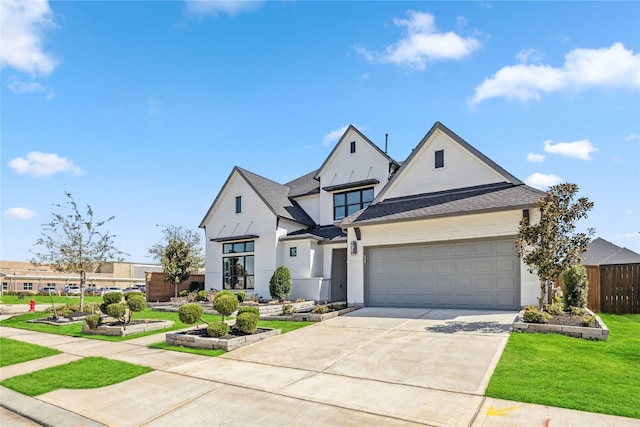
375,366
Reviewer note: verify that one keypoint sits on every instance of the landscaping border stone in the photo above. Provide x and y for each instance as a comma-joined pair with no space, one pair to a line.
124,330
600,333
182,339
310,317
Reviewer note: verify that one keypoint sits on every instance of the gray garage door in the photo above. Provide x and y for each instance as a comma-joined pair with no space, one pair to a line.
468,274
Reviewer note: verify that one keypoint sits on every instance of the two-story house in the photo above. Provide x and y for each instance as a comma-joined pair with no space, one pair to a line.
437,230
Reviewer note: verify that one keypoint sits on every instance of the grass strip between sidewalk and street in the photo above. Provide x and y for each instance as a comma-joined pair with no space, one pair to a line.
573,373
14,351
89,372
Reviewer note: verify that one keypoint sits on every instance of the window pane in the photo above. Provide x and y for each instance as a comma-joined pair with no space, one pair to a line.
226,266
249,246
353,197
440,159
351,209
249,264
238,204
249,283
338,212
367,195
227,248
238,247
338,199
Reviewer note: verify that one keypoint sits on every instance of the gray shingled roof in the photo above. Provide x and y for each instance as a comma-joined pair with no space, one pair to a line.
491,197
276,196
304,185
603,252
325,233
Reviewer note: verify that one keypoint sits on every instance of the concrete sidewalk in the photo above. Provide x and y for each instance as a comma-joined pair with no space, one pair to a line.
375,367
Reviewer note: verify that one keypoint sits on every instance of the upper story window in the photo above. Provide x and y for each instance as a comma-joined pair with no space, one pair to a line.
238,204
237,247
345,204
293,251
439,159
352,149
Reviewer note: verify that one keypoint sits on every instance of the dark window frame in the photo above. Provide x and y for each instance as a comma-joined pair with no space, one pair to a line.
293,251
238,204
348,202
352,147
237,275
439,159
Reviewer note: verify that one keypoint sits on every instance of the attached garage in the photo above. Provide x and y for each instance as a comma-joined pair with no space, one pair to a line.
474,274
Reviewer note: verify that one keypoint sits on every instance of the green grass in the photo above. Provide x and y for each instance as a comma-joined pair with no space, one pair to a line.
43,301
75,329
89,372
284,325
556,370
17,352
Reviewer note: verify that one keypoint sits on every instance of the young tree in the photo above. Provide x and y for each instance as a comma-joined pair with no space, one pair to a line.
74,243
180,254
552,245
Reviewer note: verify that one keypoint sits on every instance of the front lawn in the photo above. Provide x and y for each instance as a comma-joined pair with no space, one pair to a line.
17,352
88,372
43,301
556,370
75,329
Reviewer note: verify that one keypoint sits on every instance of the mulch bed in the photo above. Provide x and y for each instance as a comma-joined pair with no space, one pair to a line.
570,320
233,333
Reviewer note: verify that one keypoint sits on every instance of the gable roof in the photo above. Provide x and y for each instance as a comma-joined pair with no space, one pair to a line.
603,252
437,126
274,195
335,148
304,186
482,198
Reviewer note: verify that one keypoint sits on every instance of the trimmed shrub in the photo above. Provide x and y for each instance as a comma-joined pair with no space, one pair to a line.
183,294
533,315
280,283
93,320
112,297
320,309
247,322
217,329
249,309
222,293
202,296
136,304
190,313
554,309
579,311
241,295
116,310
587,319
576,286
225,304
288,309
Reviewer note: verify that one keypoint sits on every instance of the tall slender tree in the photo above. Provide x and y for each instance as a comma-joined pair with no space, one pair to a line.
180,253
74,242
552,245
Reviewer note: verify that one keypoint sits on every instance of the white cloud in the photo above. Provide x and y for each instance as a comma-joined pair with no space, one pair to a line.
583,69
578,149
43,164
631,137
334,135
213,8
535,158
542,181
22,24
423,44
529,55
19,213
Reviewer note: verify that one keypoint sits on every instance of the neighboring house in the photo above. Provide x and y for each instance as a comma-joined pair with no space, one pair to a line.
603,252
437,230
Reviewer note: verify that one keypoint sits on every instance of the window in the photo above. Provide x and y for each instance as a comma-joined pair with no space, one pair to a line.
345,204
353,147
5,286
238,270
27,286
293,251
439,159
238,204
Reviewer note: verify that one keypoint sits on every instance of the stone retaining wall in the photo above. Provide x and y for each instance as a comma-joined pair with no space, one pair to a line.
601,333
123,330
208,343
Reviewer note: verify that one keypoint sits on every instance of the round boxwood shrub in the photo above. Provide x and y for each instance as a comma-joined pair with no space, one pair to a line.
116,310
249,309
93,320
247,322
183,293
280,283
202,296
225,304
223,293
190,313
112,297
241,295
136,304
217,329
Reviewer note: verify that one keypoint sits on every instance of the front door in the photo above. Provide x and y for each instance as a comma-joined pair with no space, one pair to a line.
339,275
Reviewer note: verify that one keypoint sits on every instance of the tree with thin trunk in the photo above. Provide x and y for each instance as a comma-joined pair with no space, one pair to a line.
74,242
550,246
179,253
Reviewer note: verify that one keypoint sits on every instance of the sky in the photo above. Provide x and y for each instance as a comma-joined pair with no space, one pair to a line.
142,109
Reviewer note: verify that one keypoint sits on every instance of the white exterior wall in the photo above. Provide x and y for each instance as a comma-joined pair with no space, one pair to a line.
255,218
311,205
345,167
478,226
461,169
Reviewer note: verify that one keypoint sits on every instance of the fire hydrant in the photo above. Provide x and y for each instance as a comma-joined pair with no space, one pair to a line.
32,305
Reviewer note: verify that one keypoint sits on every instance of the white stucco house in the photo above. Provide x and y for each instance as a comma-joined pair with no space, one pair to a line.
437,230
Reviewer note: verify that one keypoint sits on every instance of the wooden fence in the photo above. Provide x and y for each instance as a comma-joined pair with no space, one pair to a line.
619,288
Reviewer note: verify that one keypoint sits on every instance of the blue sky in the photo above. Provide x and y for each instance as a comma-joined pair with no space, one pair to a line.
141,109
